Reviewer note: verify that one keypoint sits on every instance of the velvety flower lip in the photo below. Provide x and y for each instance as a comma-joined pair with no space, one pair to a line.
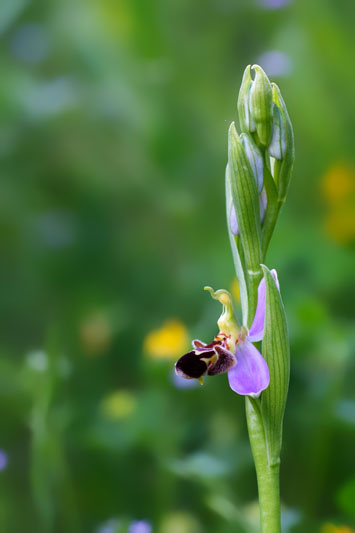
211,359
232,350
225,362
192,366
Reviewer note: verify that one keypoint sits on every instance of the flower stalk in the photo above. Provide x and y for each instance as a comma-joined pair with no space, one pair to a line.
266,472
258,173
265,414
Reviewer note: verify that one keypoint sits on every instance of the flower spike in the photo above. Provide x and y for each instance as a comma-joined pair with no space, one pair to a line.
258,173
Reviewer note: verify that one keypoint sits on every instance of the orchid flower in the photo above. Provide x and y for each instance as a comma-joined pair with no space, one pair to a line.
232,350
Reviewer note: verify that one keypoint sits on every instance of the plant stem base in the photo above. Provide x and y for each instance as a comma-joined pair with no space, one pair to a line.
267,474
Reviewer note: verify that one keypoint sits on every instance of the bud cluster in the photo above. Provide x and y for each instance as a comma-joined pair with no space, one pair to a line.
260,161
264,119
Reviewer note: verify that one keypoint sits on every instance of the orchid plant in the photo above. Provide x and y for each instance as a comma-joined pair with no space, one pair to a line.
258,173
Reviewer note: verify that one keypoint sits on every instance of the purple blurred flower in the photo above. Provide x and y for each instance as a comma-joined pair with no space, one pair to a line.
274,4
56,228
140,526
30,43
3,460
110,526
275,63
232,350
181,383
107,528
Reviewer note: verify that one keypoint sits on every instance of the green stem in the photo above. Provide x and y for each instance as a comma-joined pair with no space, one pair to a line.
267,474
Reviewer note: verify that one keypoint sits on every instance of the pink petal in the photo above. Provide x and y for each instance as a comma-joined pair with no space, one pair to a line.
256,331
233,222
250,376
262,205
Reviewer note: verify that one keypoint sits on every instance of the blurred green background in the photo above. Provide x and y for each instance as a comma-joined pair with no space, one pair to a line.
113,121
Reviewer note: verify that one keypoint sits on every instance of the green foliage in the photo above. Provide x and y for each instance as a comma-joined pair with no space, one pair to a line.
113,119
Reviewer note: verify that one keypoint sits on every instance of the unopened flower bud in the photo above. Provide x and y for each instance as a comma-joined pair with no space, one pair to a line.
233,221
262,205
282,145
260,105
246,121
278,145
255,158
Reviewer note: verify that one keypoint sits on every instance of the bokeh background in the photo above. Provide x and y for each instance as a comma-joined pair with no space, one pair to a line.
113,121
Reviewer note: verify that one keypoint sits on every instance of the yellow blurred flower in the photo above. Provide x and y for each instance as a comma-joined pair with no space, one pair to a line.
179,522
119,404
338,182
338,186
234,290
339,223
168,342
117,17
331,528
95,333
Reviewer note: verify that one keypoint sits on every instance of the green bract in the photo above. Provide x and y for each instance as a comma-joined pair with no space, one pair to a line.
276,353
235,244
246,203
